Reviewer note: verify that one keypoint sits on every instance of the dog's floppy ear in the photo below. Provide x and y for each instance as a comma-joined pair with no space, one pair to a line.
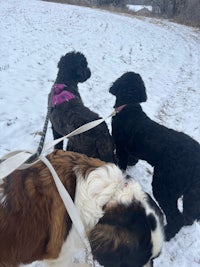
139,89
82,70
83,74
106,242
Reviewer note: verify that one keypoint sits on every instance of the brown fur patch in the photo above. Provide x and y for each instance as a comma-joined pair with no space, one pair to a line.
33,219
122,237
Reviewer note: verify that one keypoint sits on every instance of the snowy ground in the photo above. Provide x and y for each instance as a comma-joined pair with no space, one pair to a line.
34,34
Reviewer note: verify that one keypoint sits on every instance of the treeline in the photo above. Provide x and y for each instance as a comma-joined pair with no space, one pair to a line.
184,11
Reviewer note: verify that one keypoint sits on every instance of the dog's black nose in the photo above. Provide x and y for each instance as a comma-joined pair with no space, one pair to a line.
88,74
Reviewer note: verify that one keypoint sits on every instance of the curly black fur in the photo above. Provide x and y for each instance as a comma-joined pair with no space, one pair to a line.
174,155
68,116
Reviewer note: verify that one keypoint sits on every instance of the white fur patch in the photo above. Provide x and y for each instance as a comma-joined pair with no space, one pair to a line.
107,185
71,246
130,190
157,235
104,185
95,191
148,264
92,193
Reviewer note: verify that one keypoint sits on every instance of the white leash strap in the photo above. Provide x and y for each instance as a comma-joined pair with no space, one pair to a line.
79,130
16,160
12,162
71,209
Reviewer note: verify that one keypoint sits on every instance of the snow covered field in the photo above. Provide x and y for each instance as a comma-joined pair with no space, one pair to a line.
35,34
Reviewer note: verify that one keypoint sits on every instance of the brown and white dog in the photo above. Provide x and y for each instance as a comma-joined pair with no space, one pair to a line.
123,223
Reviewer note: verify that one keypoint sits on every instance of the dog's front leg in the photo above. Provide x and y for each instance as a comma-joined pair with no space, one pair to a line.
122,157
56,135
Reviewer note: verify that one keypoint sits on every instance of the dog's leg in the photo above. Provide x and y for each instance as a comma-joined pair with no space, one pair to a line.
173,226
122,156
56,135
71,145
132,160
167,200
191,204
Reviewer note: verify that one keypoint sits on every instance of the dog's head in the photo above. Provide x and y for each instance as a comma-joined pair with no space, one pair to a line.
73,67
129,88
130,234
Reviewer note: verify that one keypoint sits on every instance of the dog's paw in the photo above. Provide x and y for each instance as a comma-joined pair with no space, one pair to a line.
168,233
132,161
171,231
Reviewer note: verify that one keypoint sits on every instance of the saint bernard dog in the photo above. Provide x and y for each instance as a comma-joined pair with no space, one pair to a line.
123,224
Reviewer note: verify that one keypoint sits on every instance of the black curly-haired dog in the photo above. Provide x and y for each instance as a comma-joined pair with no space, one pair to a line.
68,111
174,155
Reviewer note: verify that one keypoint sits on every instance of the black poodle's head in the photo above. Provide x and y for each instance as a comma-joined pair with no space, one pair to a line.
129,88
73,67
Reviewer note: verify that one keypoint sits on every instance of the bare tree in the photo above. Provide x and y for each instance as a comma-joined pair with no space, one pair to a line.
190,13
111,2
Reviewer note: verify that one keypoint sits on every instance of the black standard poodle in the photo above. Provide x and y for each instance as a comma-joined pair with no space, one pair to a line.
174,155
68,111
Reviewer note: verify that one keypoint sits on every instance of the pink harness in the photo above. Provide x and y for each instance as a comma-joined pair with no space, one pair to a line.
118,109
60,95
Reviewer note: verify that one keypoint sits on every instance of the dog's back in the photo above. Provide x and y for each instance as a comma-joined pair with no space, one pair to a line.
96,142
146,139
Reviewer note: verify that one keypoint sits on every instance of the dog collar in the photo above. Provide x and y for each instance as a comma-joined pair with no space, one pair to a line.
118,109
60,95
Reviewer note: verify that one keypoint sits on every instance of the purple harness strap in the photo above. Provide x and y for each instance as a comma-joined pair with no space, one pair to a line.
60,95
